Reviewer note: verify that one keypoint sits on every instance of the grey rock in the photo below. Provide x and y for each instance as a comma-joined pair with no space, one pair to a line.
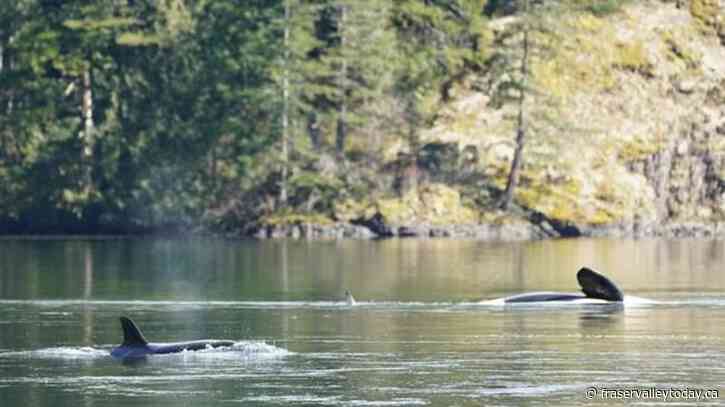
686,86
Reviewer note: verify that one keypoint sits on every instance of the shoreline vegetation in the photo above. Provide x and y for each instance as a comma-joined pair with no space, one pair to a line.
520,231
333,119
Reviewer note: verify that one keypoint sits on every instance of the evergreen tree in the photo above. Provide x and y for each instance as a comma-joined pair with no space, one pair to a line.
524,40
123,114
54,52
439,44
361,57
295,74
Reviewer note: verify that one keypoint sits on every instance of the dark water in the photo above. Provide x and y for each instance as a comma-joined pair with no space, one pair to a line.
418,335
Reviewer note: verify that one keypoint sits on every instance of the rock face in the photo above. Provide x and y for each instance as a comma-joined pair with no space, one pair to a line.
376,224
433,211
636,148
688,175
339,230
498,232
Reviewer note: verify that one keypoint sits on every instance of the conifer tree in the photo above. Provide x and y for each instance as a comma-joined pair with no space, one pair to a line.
294,74
526,38
361,55
438,44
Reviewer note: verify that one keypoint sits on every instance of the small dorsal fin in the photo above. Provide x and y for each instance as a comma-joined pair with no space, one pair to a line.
595,285
132,336
349,298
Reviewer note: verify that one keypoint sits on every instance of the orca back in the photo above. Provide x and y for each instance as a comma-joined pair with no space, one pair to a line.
595,285
542,297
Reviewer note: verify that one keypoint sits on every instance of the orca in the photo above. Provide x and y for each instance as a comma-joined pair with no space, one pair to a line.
135,346
594,286
349,299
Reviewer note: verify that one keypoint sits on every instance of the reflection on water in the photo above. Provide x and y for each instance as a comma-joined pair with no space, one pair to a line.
418,335
395,270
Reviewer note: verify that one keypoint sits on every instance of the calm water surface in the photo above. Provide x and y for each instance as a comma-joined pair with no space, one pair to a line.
418,336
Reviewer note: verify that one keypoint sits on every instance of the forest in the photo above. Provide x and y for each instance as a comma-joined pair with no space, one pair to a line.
130,116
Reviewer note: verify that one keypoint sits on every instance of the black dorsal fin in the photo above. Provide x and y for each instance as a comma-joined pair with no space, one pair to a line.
595,285
132,336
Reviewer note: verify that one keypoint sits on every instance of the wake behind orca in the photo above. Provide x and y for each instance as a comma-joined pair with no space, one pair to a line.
135,346
594,287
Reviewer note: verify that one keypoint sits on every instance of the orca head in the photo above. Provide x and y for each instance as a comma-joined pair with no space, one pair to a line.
595,285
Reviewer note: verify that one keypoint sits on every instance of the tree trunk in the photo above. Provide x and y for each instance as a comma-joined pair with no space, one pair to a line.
285,108
88,129
313,129
3,148
213,167
341,134
7,141
513,178
410,172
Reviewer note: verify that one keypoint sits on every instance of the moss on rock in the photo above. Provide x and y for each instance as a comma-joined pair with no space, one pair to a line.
350,209
707,14
679,50
640,147
434,204
579,61
292,218
612,87
632,56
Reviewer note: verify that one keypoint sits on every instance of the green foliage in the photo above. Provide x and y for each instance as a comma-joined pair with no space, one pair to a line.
708,15
603,8
126,115
440,44
679,49
314,191
633,56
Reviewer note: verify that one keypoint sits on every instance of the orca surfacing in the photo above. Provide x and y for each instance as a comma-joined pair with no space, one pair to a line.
594,287
135,346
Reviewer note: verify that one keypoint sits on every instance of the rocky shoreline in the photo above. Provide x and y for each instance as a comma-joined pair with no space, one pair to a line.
502,232
492,232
